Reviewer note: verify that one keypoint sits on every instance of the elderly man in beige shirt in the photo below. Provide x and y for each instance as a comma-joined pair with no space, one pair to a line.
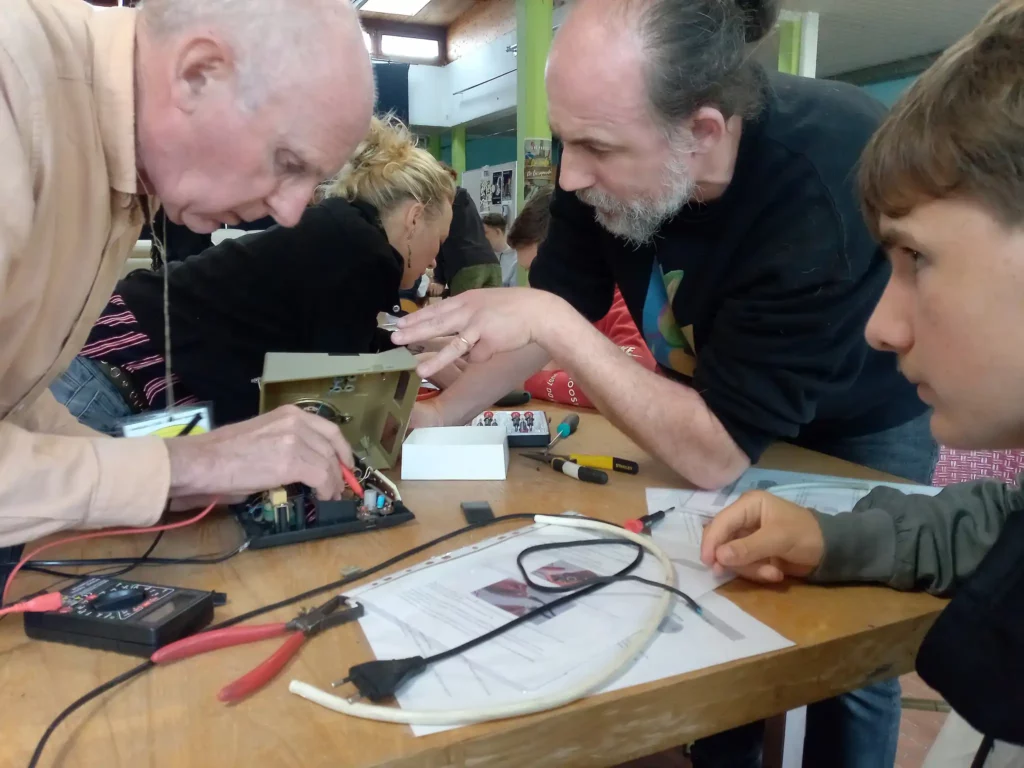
221,110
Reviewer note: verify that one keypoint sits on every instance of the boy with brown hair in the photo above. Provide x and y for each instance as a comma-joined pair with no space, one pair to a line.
942,183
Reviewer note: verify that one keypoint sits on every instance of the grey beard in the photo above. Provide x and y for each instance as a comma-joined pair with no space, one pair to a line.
638,221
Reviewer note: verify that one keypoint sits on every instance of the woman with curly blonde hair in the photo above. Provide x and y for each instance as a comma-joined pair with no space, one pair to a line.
316,287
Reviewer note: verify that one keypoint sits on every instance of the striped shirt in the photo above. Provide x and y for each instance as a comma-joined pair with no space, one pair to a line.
117,339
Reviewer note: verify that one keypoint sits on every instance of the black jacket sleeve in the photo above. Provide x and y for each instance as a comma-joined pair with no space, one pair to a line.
316,287
570,263
360,276
790,328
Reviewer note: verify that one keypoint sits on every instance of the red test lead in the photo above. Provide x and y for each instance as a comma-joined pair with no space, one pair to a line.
51,601
351,481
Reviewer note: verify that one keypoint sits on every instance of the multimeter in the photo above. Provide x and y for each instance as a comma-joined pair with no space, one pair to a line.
123,616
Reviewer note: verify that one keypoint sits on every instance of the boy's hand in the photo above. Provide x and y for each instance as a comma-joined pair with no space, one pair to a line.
763,538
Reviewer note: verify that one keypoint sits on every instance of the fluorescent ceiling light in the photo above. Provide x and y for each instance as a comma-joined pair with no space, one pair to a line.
396,7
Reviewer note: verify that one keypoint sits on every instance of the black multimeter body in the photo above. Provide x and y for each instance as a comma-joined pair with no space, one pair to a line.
160,616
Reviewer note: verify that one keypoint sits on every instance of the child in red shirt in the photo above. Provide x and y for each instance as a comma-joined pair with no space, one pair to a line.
552,383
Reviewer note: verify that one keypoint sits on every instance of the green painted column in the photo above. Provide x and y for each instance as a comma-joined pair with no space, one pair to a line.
533,41
789,46
459,150
434,145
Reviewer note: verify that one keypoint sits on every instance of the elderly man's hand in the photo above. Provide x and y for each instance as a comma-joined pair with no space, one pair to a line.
483,322
763,538
284,446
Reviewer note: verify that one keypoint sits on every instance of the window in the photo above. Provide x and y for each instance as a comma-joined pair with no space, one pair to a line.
409,47
396,7
368,41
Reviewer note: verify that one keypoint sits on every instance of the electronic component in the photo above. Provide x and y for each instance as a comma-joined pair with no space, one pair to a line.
123,616
293,514
477,512
525,429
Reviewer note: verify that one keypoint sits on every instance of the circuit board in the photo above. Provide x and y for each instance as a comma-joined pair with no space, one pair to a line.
293,514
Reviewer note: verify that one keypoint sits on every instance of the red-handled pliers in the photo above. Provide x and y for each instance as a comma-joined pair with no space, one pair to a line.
338,610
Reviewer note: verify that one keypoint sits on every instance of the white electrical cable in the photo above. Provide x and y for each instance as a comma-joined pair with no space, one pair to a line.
636,645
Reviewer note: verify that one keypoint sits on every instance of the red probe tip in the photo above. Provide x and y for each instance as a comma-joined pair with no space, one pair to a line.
634,525
351,481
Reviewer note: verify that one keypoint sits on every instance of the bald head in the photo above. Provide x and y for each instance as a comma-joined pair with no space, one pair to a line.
244,106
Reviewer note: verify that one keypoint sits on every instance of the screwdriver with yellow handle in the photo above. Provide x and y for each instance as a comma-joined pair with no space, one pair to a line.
607,463
612,463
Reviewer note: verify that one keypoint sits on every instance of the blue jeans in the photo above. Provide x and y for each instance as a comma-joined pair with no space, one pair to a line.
858,729
90,396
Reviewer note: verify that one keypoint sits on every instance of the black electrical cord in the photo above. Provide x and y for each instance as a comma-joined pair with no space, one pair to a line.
44,566
138,670
586,588
621,576
83,700
380,680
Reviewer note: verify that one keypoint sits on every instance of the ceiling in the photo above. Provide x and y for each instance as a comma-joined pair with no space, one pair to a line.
855,34
437,13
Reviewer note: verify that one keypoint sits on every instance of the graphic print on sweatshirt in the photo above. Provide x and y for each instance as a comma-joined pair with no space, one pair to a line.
671,345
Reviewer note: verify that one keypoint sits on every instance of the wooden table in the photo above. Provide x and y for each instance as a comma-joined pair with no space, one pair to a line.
845,638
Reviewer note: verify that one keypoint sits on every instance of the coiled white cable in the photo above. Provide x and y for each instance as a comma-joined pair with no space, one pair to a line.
636,645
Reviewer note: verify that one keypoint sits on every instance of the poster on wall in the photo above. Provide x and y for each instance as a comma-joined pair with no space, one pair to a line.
493,189
538,170
496,188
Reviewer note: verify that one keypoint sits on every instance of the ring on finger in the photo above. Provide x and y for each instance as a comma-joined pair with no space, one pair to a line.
465,341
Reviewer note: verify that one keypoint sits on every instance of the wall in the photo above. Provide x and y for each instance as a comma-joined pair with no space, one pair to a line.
479,84
482,24
889,90
490,150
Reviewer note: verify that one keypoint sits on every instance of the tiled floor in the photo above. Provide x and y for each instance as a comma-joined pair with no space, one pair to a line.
917,729
917,733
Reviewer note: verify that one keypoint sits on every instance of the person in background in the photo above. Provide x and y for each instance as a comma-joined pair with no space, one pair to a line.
551,382
378,227
178,242
208,106
942,184
495,225
721,200
466,260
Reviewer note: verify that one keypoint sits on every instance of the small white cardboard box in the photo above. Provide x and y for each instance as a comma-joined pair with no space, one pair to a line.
455,453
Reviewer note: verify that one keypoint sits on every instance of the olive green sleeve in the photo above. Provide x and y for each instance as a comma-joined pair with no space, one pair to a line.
916,542
475,276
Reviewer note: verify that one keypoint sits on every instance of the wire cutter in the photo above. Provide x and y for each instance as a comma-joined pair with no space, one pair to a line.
338,610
